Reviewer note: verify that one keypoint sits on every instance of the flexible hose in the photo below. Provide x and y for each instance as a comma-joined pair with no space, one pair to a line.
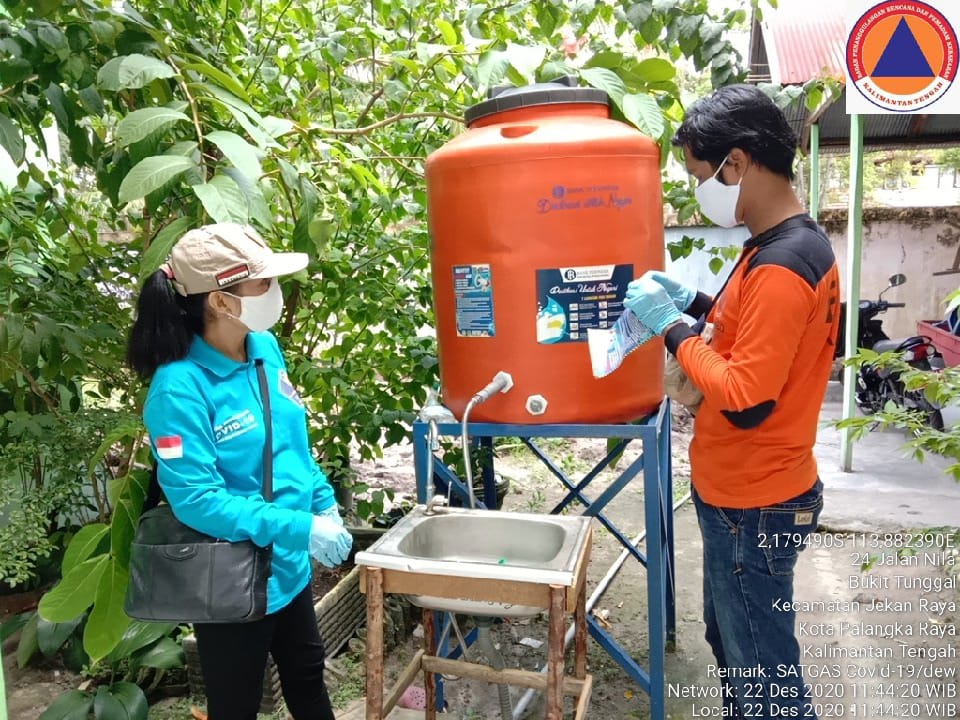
485,643
465,443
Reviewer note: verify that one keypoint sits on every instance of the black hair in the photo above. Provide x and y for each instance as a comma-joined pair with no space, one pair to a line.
165,325
739,116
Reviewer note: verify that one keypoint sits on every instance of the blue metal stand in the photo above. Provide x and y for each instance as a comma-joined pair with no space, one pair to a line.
654,434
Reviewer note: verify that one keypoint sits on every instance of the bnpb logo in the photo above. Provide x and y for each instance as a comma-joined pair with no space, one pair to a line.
902,56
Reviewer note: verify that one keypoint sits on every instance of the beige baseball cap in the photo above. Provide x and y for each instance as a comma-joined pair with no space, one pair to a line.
213,257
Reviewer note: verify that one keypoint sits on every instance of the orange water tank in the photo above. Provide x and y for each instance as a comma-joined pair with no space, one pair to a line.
540,215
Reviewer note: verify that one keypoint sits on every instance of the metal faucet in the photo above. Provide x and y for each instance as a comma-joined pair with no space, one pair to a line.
436,505
434,413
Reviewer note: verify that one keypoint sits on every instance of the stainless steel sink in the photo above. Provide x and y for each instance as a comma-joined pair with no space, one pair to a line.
486,544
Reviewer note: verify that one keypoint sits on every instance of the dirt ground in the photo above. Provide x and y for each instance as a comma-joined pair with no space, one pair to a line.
916,683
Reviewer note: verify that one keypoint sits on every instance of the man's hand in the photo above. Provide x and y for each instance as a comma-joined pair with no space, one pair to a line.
681,295
650,302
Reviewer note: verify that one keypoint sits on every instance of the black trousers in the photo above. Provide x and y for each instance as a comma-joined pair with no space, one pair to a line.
233,658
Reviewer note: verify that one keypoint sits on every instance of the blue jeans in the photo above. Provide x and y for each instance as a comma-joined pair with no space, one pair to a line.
748,561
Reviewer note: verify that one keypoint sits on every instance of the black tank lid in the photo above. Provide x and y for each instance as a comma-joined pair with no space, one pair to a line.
561,91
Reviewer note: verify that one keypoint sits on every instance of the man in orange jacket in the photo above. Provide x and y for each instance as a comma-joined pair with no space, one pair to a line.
763,377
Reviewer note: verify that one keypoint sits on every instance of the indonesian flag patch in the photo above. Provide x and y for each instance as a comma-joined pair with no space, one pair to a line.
232,275
170,447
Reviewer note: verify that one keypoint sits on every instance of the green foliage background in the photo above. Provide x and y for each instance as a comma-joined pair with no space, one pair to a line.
312,121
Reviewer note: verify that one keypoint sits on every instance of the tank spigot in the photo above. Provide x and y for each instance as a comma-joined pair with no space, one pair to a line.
501,382
536,404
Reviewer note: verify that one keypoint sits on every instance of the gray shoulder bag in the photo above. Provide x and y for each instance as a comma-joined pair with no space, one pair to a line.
180,575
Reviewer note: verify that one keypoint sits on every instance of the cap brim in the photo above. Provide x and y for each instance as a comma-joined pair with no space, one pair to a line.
282,264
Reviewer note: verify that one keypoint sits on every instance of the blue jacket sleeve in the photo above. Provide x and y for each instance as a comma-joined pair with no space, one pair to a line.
196,490
323,497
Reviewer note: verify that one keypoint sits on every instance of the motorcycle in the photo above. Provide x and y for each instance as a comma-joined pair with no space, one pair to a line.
877,386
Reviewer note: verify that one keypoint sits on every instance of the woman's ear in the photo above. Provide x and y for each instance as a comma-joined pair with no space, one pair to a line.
221,303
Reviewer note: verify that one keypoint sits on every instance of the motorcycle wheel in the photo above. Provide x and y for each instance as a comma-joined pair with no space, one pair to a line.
868,399
933,418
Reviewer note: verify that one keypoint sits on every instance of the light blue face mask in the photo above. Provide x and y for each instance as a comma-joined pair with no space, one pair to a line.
718,202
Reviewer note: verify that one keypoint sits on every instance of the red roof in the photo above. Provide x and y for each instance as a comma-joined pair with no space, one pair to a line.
805,39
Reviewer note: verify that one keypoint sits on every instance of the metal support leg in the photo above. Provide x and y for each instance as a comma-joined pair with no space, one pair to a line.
555,653
429,679
655,462
656,606
374,646
666,482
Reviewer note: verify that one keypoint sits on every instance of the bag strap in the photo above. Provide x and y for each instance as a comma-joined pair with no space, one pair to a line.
268,432
154,492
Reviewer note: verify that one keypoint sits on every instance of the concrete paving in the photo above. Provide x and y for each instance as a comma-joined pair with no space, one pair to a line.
884,644
888,489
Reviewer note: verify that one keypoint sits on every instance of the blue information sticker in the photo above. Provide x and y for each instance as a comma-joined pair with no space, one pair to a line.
473,289
571,300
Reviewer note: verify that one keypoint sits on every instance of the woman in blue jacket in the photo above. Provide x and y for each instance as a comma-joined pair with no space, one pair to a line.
202,321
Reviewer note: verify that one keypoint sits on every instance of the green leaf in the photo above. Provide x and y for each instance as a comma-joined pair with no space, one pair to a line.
13,71
606,80
525,59
607,59
137,636
226,80
643,111
52,636
132,699
106,706
11,139
222,199
656,70
107,622
252,192
275,126
132,71
12,624
716,265
83,545
51,36
91,101
130,492
143,123
165,655
447,31
103,31
492,68
29,642
162,243
638,13
71,705
245,116
243,155
151,174
75,593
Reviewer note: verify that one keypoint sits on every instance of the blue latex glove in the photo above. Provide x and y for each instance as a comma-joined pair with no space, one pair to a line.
332,512
330,543
681,295
647,299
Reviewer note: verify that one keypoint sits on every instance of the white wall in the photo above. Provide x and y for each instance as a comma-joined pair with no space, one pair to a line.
894,241
904,242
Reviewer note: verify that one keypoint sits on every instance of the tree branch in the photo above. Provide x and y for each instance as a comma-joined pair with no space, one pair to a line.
383,123
193,111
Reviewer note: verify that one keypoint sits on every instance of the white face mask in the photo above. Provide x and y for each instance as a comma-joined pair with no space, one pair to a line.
261,312
718,202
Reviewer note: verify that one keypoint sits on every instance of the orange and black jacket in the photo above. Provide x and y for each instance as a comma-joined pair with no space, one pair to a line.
765,372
